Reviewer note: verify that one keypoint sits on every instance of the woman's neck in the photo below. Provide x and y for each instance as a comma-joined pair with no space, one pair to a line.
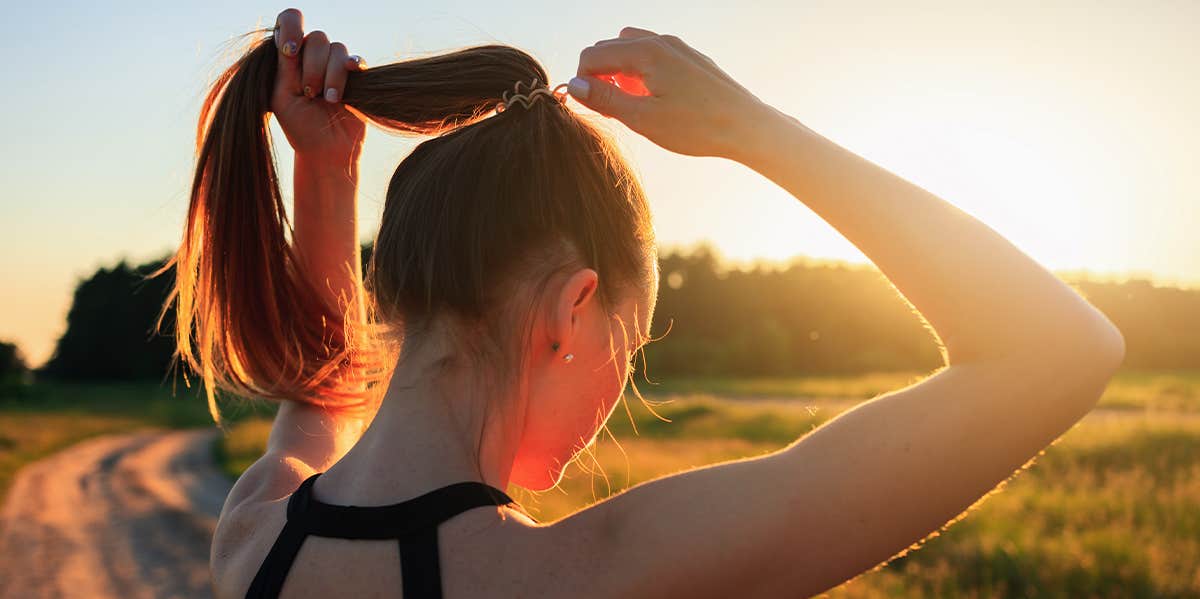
424,436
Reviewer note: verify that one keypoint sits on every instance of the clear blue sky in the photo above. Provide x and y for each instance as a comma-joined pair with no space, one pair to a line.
1072,130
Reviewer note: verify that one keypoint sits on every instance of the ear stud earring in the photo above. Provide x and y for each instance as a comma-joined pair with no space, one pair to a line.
566,358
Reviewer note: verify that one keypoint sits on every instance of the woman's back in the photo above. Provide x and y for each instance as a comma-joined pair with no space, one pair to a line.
453,541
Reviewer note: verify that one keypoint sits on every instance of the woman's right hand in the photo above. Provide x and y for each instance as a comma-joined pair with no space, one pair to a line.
309,85
685,103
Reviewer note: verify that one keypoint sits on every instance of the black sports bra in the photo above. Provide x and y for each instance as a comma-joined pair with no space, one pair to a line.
413,523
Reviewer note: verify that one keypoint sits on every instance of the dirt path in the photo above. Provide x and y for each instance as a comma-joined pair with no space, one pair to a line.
116,516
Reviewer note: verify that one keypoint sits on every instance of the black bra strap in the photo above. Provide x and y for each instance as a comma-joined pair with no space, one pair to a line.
414,523
268,582
392,521
420,571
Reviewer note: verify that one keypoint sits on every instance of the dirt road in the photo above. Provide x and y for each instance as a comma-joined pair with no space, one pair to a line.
116,516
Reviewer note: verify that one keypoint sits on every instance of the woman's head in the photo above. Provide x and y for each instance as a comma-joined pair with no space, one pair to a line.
507,232
524,229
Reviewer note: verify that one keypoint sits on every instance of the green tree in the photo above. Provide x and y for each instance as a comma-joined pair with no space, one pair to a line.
110,327
13,368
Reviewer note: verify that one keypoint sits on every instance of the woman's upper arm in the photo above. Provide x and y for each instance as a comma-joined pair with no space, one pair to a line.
848,496
304,439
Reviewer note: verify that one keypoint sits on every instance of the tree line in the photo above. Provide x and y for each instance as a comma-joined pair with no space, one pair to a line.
801,317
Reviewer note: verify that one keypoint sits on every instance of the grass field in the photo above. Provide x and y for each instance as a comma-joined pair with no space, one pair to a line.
38,420
1111,510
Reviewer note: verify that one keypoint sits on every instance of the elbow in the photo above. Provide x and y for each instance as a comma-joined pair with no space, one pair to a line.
1107,344
1112,348
1087,349
1096,353
1074,371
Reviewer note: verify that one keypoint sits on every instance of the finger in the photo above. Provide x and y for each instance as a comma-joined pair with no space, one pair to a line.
620,56
627,33
355,62
609,100
314,57
676,43
634,32
289,33
335,72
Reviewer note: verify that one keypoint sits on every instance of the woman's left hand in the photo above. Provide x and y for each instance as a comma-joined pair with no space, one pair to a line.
309,86
676,97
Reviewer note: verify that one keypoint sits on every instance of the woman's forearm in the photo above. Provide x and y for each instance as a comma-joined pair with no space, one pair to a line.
326,229
984,297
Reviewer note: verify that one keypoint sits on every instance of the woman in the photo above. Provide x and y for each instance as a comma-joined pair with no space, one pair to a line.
516,261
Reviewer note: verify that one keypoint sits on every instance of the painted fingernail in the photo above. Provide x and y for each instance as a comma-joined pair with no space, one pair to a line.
579,88
308,91
331,95
362,64
289,48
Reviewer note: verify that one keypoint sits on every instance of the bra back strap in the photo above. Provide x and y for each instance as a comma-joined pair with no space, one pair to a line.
268,582
420,573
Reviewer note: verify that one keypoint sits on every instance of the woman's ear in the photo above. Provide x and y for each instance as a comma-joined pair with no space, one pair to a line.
573,297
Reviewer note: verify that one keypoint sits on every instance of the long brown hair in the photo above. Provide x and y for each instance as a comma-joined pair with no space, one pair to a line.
492,199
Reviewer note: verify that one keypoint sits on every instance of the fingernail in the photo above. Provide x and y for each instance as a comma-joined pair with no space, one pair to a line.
308,91
331,95
289,49
579,88
362,64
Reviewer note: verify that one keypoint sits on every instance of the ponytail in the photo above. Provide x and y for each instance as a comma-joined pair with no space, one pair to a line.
248,320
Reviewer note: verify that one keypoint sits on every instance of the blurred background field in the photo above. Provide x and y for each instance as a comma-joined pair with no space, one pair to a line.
746,361
1111,509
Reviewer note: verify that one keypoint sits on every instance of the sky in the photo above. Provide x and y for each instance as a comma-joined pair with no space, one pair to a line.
1069,127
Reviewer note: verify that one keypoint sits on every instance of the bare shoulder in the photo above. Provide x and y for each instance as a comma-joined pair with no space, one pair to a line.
273,476
240,543
485,552
571,557
253,514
